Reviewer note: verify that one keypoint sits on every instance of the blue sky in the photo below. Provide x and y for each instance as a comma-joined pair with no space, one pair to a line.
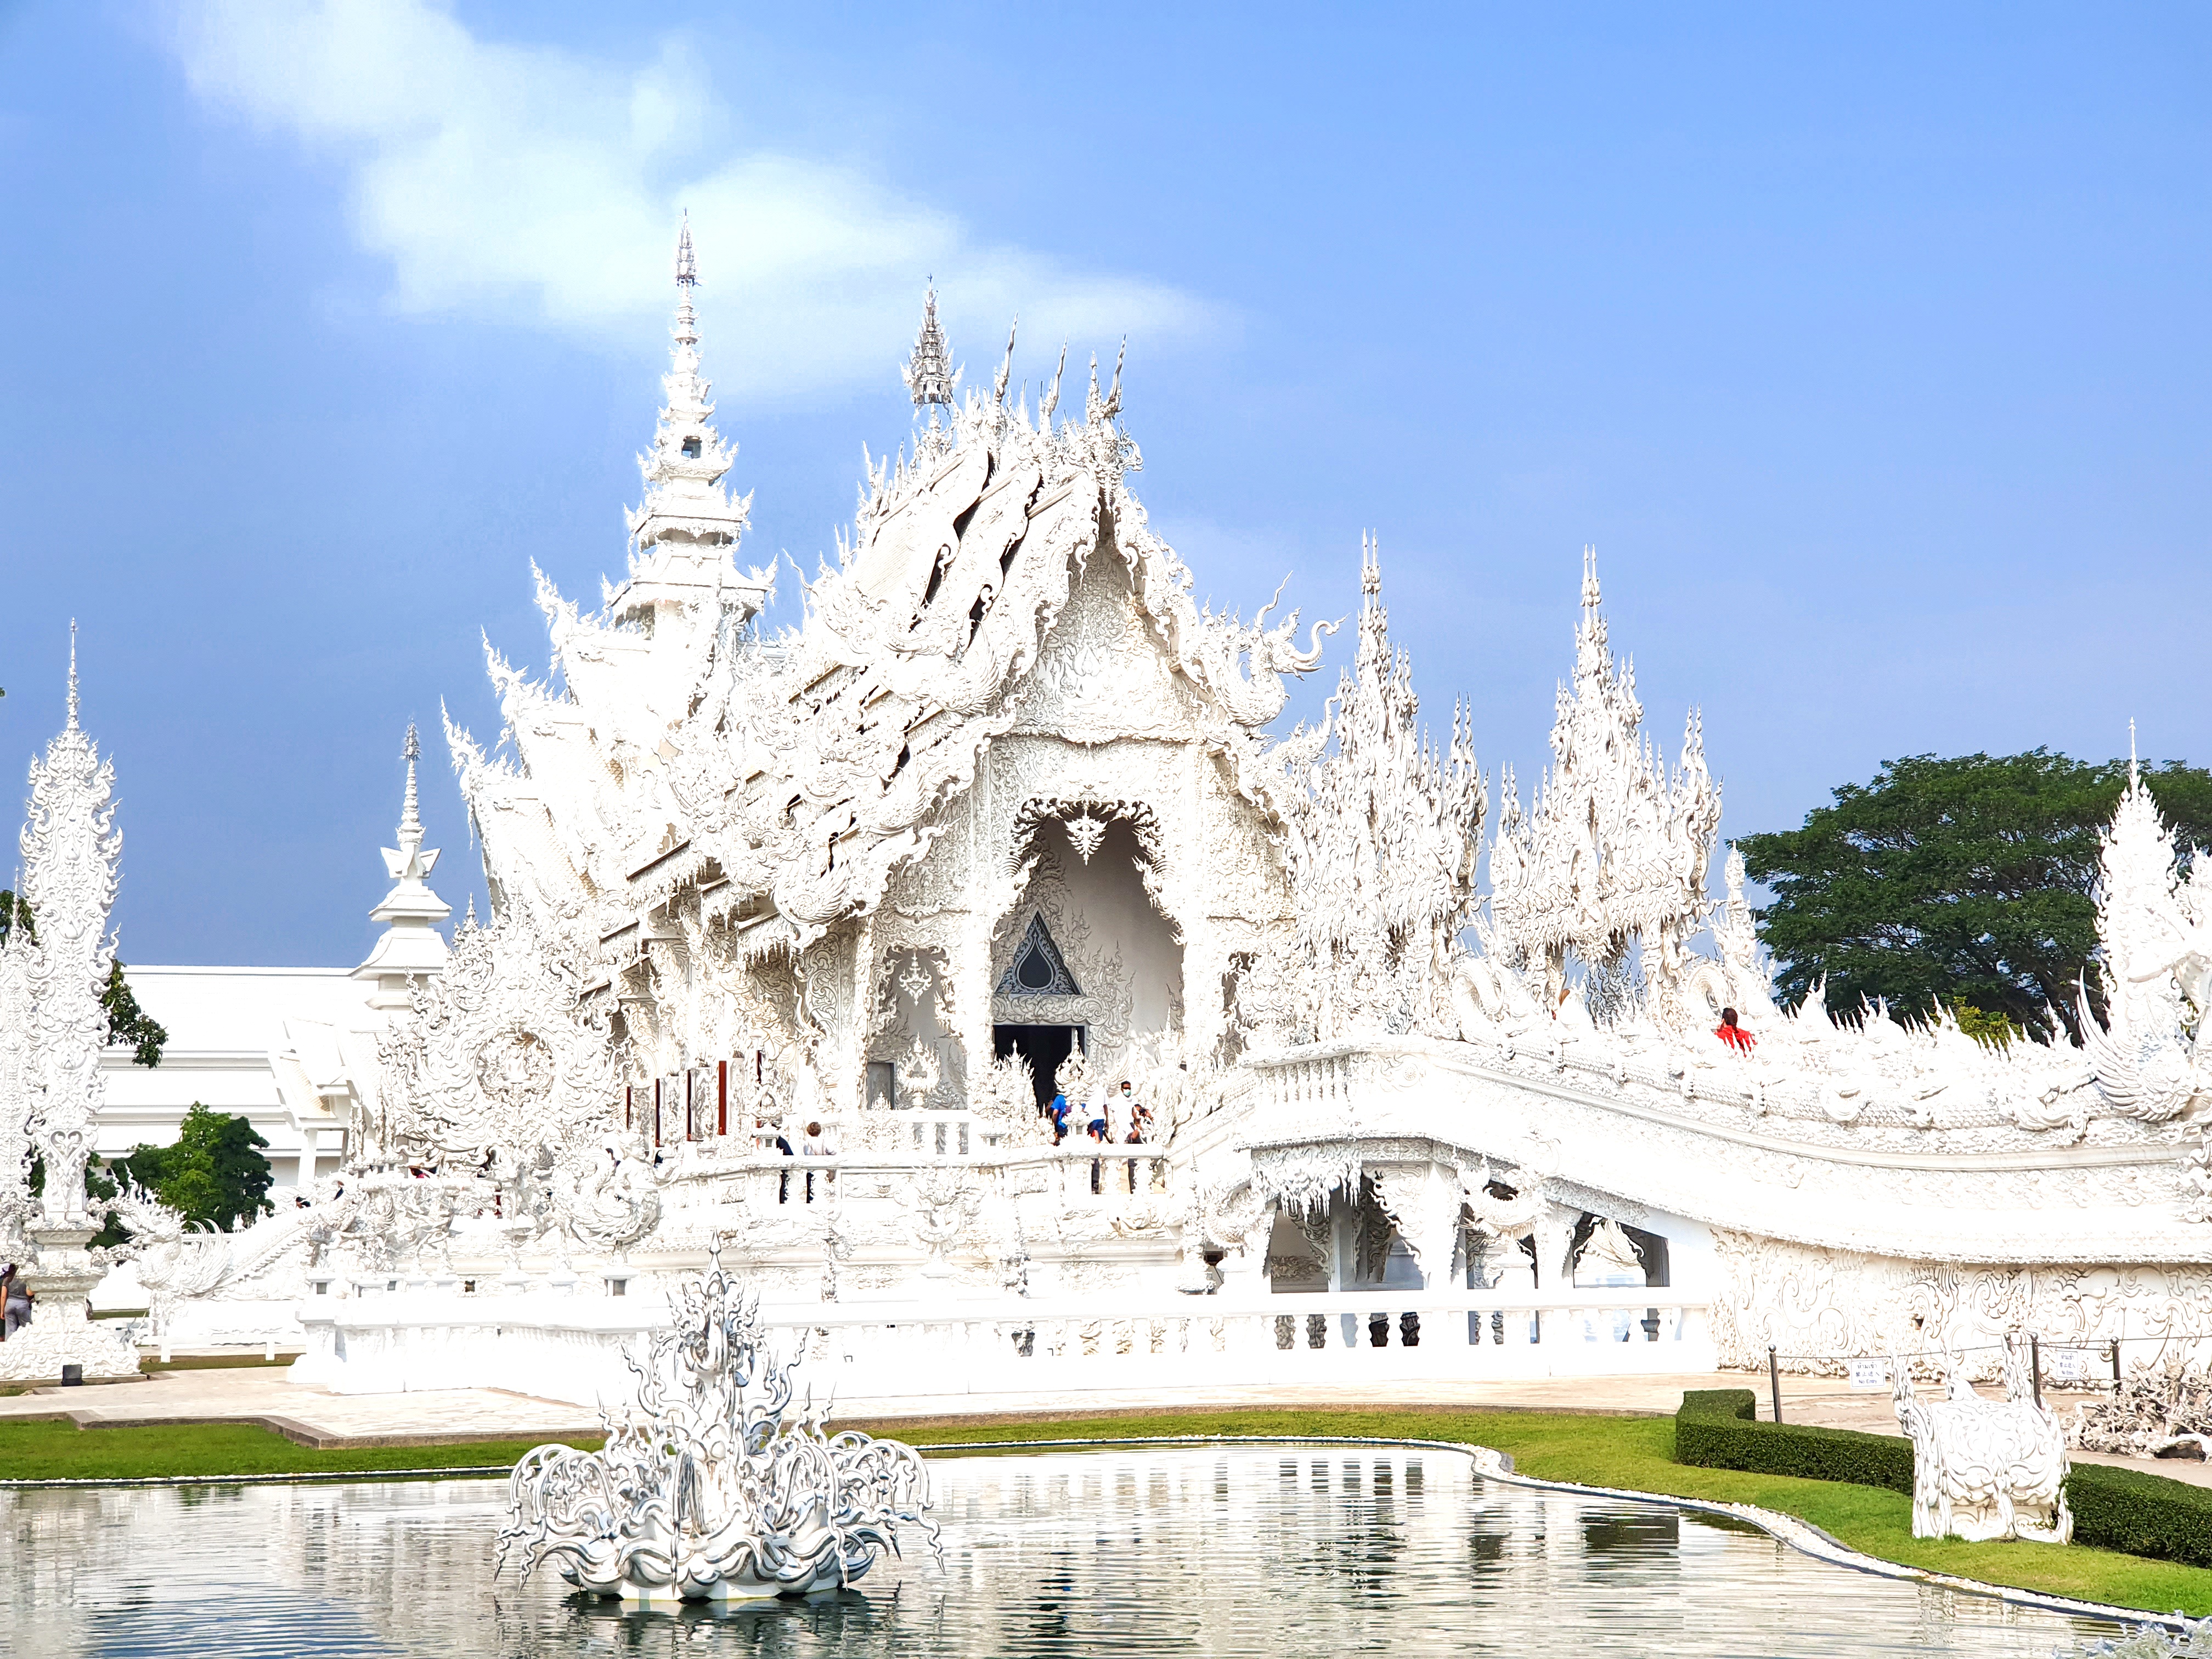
1868,347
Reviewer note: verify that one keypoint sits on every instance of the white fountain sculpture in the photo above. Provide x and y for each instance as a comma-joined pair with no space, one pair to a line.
1986,1469
714,1495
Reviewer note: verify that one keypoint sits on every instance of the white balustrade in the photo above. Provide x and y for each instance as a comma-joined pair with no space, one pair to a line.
570,1347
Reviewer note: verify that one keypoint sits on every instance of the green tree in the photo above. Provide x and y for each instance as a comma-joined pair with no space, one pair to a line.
213,1174
128,1024
1967,881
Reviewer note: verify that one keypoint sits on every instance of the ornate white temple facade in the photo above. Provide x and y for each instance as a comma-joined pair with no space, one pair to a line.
793,934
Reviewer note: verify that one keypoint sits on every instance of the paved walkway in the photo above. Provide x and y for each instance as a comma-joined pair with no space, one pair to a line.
314,1417
317,1417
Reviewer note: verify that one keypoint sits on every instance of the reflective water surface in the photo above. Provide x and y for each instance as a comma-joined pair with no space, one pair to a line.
1264,1550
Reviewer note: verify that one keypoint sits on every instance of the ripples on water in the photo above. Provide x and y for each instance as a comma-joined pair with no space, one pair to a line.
1277,1552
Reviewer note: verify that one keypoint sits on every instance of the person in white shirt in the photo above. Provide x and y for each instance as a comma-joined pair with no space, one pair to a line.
813,1146
1125,1110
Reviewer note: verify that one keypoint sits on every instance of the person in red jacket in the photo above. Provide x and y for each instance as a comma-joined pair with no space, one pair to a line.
1733,1034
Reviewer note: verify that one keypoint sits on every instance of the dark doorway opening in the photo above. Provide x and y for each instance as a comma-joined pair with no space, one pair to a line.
1044,1046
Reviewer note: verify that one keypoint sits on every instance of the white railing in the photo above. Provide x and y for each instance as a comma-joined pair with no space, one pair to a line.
1315,1083
1081,1174
571,1348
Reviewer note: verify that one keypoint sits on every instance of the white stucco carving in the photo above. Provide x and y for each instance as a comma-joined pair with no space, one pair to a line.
747,881
715,1484
1613,848
52,1019
1986,1469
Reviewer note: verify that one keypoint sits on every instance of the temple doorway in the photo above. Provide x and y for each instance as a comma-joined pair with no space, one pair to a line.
1044,1046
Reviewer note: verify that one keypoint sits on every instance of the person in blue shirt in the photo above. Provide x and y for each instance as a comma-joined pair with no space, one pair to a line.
1058,1112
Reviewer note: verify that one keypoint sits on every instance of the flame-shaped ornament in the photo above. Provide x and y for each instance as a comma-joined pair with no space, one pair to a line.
713,1496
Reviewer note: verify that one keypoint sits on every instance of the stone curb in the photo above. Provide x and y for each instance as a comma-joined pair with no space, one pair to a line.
1492,1464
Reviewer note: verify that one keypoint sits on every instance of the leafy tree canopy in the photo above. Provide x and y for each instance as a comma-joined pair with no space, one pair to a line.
128,1024
213,1175
1968,882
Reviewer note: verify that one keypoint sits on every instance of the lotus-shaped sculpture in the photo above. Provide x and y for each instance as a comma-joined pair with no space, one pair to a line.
711,1488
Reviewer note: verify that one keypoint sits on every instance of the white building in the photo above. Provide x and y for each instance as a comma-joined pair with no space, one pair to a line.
293,1049
1003,814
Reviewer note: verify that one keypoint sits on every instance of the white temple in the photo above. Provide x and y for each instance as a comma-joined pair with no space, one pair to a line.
1003,817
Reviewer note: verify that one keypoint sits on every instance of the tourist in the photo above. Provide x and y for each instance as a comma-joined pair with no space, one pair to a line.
15,1300
1733,1034
813,1146
1058,1112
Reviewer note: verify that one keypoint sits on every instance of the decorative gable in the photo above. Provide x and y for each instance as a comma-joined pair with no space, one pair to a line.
1038,969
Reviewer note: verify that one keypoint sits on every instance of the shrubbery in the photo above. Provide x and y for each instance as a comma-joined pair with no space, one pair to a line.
2126,1509
1718,1429
2142,1514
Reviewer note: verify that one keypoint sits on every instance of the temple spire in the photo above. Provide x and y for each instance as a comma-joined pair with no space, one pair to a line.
72,679
928,373
683,533
411,947
411,815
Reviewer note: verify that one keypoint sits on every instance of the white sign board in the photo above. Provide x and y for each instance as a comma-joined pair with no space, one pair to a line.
1869,1373
2069,1364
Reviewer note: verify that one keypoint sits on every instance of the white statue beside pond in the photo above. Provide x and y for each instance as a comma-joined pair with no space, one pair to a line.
1986,1469
716,1496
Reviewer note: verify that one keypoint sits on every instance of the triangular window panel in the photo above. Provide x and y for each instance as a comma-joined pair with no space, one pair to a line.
1038,969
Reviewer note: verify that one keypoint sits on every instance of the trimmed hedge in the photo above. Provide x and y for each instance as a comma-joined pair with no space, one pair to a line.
2142,1514
2124,1510
1718,1429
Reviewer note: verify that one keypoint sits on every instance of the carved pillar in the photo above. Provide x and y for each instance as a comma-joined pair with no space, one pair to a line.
1555,1231
15,1202
849,1090
71,849
1435,1238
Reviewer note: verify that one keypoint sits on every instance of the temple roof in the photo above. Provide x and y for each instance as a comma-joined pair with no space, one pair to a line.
787,779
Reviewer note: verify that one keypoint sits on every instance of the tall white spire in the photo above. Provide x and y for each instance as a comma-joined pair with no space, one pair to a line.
685,532
52,1026
928,371
411,947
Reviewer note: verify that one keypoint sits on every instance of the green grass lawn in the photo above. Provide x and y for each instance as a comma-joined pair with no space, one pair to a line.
1638,1453
60,1450
1632,1452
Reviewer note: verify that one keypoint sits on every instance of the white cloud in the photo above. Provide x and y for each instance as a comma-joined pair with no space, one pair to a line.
530,182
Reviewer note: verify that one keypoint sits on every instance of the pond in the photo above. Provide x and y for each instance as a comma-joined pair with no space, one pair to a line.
1275,1550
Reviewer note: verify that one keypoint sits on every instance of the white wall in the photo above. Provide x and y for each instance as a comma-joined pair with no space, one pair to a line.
291,1049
